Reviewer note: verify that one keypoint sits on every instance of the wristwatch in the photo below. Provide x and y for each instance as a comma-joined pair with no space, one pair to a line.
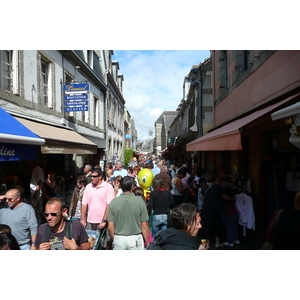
103,221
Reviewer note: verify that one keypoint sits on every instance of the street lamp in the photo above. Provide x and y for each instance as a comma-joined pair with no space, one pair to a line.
151,145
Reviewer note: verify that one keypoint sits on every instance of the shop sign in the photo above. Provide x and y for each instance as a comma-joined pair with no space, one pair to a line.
11,152
76,97
79,108
76,88
72,103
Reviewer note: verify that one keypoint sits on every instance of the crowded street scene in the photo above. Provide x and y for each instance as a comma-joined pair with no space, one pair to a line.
82,171
180,132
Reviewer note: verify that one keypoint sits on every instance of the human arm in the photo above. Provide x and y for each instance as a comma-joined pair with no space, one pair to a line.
35,189
83,214
73,204
111,229
102,224
33,237
179,185
71,245
32,225
146,233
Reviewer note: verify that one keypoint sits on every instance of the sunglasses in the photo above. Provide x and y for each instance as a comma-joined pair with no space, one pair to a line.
51,214
94,176
9,199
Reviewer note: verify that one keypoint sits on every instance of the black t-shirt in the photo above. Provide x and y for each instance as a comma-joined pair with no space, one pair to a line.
212,196
78,233
160,201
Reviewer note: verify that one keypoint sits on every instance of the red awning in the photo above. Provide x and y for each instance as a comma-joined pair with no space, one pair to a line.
228,137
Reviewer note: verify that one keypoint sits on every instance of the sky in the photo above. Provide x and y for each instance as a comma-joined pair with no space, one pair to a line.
153,82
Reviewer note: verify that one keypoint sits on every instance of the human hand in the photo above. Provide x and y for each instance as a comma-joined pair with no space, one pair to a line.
45,246
101,225
83,222
70,244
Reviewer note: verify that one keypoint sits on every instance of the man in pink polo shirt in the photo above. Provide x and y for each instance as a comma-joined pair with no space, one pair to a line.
96,198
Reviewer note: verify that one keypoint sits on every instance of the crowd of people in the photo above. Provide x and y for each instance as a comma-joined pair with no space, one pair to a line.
183,208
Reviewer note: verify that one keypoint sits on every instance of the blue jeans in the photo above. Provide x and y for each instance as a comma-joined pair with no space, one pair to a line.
25,247
232,222
159,222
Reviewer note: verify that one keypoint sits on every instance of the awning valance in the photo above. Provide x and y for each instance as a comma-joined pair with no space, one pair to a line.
228,137
60,140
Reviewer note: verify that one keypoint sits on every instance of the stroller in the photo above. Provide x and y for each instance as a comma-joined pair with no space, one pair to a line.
95,239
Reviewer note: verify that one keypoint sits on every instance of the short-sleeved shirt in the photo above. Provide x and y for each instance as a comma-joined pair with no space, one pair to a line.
21,220
127,212
122,173
78,233
96,198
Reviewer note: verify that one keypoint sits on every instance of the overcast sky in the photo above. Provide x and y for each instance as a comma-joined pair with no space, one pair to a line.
153,82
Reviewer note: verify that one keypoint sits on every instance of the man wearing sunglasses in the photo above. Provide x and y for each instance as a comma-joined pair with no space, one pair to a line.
20,217
56,238
95,201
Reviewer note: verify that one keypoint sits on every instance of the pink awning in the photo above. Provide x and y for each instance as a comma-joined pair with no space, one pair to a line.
228,137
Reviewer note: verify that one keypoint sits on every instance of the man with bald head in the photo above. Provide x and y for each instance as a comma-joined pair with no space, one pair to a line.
20,217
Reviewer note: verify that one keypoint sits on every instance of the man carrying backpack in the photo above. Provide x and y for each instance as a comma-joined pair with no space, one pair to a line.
59,233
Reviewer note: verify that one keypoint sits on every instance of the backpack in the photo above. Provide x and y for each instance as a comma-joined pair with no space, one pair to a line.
69,231
153,246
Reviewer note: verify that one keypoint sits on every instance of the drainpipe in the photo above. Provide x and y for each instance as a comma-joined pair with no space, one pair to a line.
194,80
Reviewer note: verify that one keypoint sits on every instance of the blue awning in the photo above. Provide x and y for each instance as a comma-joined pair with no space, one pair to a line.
17,142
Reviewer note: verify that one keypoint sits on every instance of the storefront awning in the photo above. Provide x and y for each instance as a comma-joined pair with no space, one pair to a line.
228,137
17,142
60,140
14,132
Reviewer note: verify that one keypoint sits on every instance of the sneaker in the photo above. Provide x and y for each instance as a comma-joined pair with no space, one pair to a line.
237,242
227,244
218,245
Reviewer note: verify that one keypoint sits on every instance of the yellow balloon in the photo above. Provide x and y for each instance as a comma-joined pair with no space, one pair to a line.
145,177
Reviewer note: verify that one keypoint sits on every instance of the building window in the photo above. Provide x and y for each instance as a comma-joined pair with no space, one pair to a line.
90,58
246,60
9,74
96,111
85,115
5,69
46,94
223,76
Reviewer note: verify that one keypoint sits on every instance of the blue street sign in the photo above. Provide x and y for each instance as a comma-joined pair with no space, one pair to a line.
76,88
76,97
71,103
79,108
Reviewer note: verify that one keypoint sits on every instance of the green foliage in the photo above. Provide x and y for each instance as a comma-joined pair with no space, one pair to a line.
128,155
